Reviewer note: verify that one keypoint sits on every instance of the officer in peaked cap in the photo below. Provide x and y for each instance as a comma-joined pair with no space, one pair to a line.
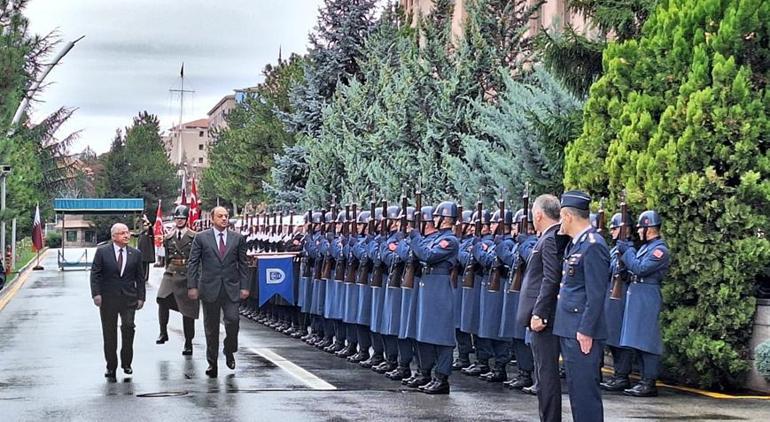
579,322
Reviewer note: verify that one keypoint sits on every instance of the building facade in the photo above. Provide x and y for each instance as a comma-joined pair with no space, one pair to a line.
218,113
187,145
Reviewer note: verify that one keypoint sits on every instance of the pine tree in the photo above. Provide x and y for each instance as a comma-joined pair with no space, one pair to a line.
679,119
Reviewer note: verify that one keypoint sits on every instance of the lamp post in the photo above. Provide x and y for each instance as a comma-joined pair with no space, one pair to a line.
5,170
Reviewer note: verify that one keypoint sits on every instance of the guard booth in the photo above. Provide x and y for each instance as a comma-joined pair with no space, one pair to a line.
90,206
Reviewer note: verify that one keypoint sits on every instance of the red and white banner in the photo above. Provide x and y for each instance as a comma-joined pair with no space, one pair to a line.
37,231
157,229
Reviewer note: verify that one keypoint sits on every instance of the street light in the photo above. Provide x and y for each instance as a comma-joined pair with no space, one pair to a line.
5,170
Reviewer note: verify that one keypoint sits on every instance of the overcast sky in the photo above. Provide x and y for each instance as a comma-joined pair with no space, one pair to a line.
134,49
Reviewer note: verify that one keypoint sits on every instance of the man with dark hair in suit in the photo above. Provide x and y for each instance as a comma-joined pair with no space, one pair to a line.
537,305
217,272
117,288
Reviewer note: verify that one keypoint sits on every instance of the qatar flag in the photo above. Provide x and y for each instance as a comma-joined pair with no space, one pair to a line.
37,231
157,229
195,211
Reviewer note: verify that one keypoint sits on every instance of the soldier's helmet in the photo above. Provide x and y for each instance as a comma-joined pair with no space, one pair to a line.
363,217
328,217
341,217
486,217
393,212
181,211
317,217
520,216
467,216
507,217
409,214
446,209
649,218
426,213
378,214
616,221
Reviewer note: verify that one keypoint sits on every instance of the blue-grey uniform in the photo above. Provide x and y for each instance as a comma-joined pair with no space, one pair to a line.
306,288
364,312
319,285
469,315
330,300
613,310
508,250
351,289
490,302
339,252
462,338
391,311
378,293
435,313
641,327
580,309
408,325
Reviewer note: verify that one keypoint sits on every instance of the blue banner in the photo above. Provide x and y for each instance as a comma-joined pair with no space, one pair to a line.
276,277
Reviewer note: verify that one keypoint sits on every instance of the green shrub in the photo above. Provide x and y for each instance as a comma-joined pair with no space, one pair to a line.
679,119
53,239
762,359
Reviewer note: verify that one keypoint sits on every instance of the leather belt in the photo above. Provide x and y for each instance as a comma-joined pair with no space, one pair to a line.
435,270
178,261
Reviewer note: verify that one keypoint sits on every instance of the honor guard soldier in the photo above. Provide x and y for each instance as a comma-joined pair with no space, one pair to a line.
391,307
172,293
326,294
472,296
435,312
316,291
641,324
350,290
364,304
378,296
491,301
335,291
614,307
579,322
407,346
463,339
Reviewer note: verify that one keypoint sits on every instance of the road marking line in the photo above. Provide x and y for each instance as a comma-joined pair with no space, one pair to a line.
710,394
9,294
293,369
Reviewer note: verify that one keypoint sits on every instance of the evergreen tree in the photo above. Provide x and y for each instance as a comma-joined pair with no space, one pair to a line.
679,119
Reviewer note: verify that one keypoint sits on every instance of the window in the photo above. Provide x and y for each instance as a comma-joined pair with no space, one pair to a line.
200,160
72,235
200,134
200,147
90,236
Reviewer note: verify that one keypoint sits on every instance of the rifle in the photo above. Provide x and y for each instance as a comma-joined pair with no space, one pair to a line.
397,266
518,275
352,268
410,271
328,259
469,275
341,264
601,218
377,273
308,262
620,275
365,266
454,274
498,268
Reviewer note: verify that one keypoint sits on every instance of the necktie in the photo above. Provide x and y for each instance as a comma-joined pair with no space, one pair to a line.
120,261
221,244
179,236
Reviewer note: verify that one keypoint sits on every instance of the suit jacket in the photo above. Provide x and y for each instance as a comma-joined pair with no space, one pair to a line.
105,274
541,279
209,272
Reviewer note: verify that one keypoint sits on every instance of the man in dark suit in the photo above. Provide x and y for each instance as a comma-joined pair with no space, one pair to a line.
537,305
117,288
217,273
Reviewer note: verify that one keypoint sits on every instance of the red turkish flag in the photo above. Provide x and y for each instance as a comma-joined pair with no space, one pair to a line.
157,229
37,231
194,204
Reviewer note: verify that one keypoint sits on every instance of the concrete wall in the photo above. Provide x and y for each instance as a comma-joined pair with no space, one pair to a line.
760,335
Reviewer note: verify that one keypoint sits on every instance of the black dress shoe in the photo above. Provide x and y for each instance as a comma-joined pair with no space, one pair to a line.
460,364
211,371
496,376
385,367
127,370
230,360
616,383
401,372
187,351
162,338
531,390
440,385
372,361
359,357
475,370
428,385
645,388
110,373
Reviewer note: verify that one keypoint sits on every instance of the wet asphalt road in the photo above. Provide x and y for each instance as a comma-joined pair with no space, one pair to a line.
51,368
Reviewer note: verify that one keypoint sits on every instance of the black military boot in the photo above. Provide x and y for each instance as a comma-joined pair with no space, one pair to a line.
162,338
422,378
346,351
440,385
188,350
459,364
324,343
414,376
498,375
645,388
372,361
523,379
475,370
384,367
359,357
616,383
400,373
